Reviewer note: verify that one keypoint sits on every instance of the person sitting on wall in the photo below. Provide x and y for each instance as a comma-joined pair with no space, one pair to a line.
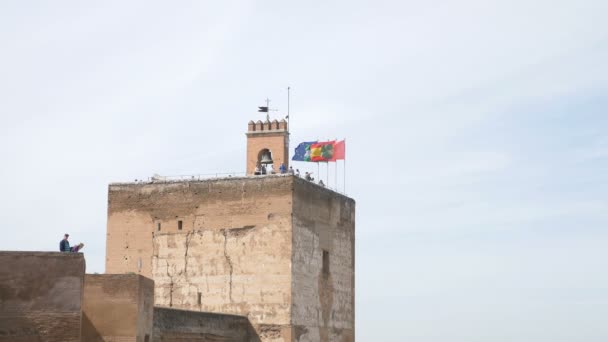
321,183
263,169
298,172
257,171
271,169
308,176
76,248
64,245
282,168
291,172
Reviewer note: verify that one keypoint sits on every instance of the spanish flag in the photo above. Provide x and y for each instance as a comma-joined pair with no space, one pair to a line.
322,151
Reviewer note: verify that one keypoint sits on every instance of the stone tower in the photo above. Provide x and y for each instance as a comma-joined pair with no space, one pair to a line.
271,136
276,249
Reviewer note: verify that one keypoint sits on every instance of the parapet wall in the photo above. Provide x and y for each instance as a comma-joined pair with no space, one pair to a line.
117,307
41,296
171,325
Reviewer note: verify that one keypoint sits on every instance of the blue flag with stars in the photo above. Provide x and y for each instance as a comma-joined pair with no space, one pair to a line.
302,151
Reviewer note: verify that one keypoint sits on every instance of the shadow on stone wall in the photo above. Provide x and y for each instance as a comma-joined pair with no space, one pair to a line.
172,325
89,333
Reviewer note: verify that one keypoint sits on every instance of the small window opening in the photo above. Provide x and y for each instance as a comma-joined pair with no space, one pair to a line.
179,225
199,301
158,226
325,262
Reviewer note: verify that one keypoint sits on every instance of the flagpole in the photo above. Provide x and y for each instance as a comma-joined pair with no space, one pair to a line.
344,165
288,125
336,174
335,167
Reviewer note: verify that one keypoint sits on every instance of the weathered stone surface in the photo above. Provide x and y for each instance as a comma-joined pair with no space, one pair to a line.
172,325
244,271
117,307
40,296
323,301
249,246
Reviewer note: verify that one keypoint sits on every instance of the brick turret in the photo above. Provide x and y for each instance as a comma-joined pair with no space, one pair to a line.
268,136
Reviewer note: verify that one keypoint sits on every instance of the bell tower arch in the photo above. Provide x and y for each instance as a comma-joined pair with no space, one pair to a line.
267,143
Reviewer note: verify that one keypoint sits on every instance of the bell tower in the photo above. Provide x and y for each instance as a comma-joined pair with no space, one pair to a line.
267,143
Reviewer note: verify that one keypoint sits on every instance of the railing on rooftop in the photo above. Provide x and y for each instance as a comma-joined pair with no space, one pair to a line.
161,179
158,178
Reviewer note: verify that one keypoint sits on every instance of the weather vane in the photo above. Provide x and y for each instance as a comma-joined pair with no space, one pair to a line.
265,109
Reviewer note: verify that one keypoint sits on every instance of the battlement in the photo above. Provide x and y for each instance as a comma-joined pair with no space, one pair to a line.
267,126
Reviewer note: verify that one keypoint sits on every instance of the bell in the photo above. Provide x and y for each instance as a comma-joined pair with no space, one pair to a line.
266,158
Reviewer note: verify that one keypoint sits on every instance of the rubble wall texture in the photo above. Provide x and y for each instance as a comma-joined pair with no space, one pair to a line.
41,296
233,254
323,301
117,308
171,325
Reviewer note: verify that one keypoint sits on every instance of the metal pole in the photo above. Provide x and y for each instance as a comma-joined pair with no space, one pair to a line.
336,174
288,125
267,109
344,165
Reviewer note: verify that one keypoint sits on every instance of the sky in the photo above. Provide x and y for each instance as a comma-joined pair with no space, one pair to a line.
477,140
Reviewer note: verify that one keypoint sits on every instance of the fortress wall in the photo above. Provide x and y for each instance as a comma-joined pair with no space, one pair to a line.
233,254
323,303
136,211
117,308
41,296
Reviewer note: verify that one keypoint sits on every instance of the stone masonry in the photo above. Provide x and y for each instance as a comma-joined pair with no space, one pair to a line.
276,249
41,296
117,308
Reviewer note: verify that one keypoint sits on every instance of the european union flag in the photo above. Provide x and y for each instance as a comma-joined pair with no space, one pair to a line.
302,151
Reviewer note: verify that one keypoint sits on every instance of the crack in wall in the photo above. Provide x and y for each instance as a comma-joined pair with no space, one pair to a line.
229,261
170,285
189,236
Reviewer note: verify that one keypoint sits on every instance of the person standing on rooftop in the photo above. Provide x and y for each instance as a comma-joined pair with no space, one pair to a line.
64,245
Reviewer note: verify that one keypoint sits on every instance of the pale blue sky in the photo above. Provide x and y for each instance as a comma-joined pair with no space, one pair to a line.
477,140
